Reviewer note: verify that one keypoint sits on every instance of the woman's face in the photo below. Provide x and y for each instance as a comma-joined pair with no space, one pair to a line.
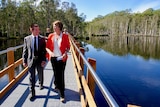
56,28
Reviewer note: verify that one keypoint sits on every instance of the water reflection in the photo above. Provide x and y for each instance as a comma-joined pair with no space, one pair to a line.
129,68
147,47
4,44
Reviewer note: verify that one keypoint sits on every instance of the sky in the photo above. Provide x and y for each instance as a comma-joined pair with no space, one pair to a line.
93,8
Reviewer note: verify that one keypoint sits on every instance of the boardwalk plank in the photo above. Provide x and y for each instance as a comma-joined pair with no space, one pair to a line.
47,97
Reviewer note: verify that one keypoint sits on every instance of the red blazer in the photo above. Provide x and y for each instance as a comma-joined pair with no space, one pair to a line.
65,45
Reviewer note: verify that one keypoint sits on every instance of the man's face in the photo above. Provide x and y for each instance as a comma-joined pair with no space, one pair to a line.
36,31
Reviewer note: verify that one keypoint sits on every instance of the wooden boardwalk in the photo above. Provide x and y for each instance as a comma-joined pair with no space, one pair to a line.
48,97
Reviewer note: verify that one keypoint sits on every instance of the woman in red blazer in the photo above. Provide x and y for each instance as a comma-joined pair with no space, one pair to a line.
57,47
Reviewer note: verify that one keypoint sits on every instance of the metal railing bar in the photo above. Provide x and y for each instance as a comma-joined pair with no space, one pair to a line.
111,101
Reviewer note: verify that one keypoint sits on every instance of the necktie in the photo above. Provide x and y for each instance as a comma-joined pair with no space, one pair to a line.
35,46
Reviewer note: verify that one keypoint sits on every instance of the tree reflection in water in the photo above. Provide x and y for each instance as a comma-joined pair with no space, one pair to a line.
144,46
129,68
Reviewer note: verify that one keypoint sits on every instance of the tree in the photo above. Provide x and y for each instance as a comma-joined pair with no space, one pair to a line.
17,17
127,23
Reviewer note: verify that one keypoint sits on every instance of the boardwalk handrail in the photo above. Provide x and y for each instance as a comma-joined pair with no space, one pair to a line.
103,89
110,100
10,69
11,48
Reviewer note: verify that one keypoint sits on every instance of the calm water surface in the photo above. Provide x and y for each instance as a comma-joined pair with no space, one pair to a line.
4,44
129,70
131,79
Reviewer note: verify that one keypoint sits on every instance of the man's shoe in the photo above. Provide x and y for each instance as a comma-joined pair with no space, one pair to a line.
40,87
32,97
56,89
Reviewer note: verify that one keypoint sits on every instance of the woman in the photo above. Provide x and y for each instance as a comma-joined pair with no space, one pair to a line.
57,46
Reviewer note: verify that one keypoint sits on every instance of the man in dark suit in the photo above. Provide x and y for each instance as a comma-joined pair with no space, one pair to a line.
34,56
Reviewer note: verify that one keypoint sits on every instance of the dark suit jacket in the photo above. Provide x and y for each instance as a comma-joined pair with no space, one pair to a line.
28,52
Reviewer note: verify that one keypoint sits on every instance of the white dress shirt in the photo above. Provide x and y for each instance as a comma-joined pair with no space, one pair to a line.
57,43
33,42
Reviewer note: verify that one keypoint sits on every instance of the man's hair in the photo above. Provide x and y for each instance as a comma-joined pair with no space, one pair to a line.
33,25
59,24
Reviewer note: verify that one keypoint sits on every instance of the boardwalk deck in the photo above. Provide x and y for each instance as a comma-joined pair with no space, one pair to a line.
19,96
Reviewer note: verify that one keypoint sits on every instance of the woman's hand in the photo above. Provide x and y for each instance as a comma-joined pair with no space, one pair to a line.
50,52
64,55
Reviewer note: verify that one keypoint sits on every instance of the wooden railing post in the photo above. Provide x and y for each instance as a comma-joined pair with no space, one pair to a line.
129,105
78,45
13,79
81,60
10,60
90,80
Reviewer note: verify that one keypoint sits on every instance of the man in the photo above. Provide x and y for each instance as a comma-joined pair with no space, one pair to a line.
65,31
34,56
47,31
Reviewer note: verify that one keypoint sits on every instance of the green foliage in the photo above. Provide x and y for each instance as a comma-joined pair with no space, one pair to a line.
16,17
125,22
148,12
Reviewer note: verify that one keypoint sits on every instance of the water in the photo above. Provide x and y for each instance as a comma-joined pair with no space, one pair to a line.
4,44
129,70
130,77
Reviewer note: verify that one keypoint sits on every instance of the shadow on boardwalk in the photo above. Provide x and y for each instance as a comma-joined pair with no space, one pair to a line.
48,97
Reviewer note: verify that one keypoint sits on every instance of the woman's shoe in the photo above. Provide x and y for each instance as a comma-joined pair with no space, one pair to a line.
62,99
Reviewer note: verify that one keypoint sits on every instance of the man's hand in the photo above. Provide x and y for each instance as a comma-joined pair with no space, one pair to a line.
43,63
25,64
